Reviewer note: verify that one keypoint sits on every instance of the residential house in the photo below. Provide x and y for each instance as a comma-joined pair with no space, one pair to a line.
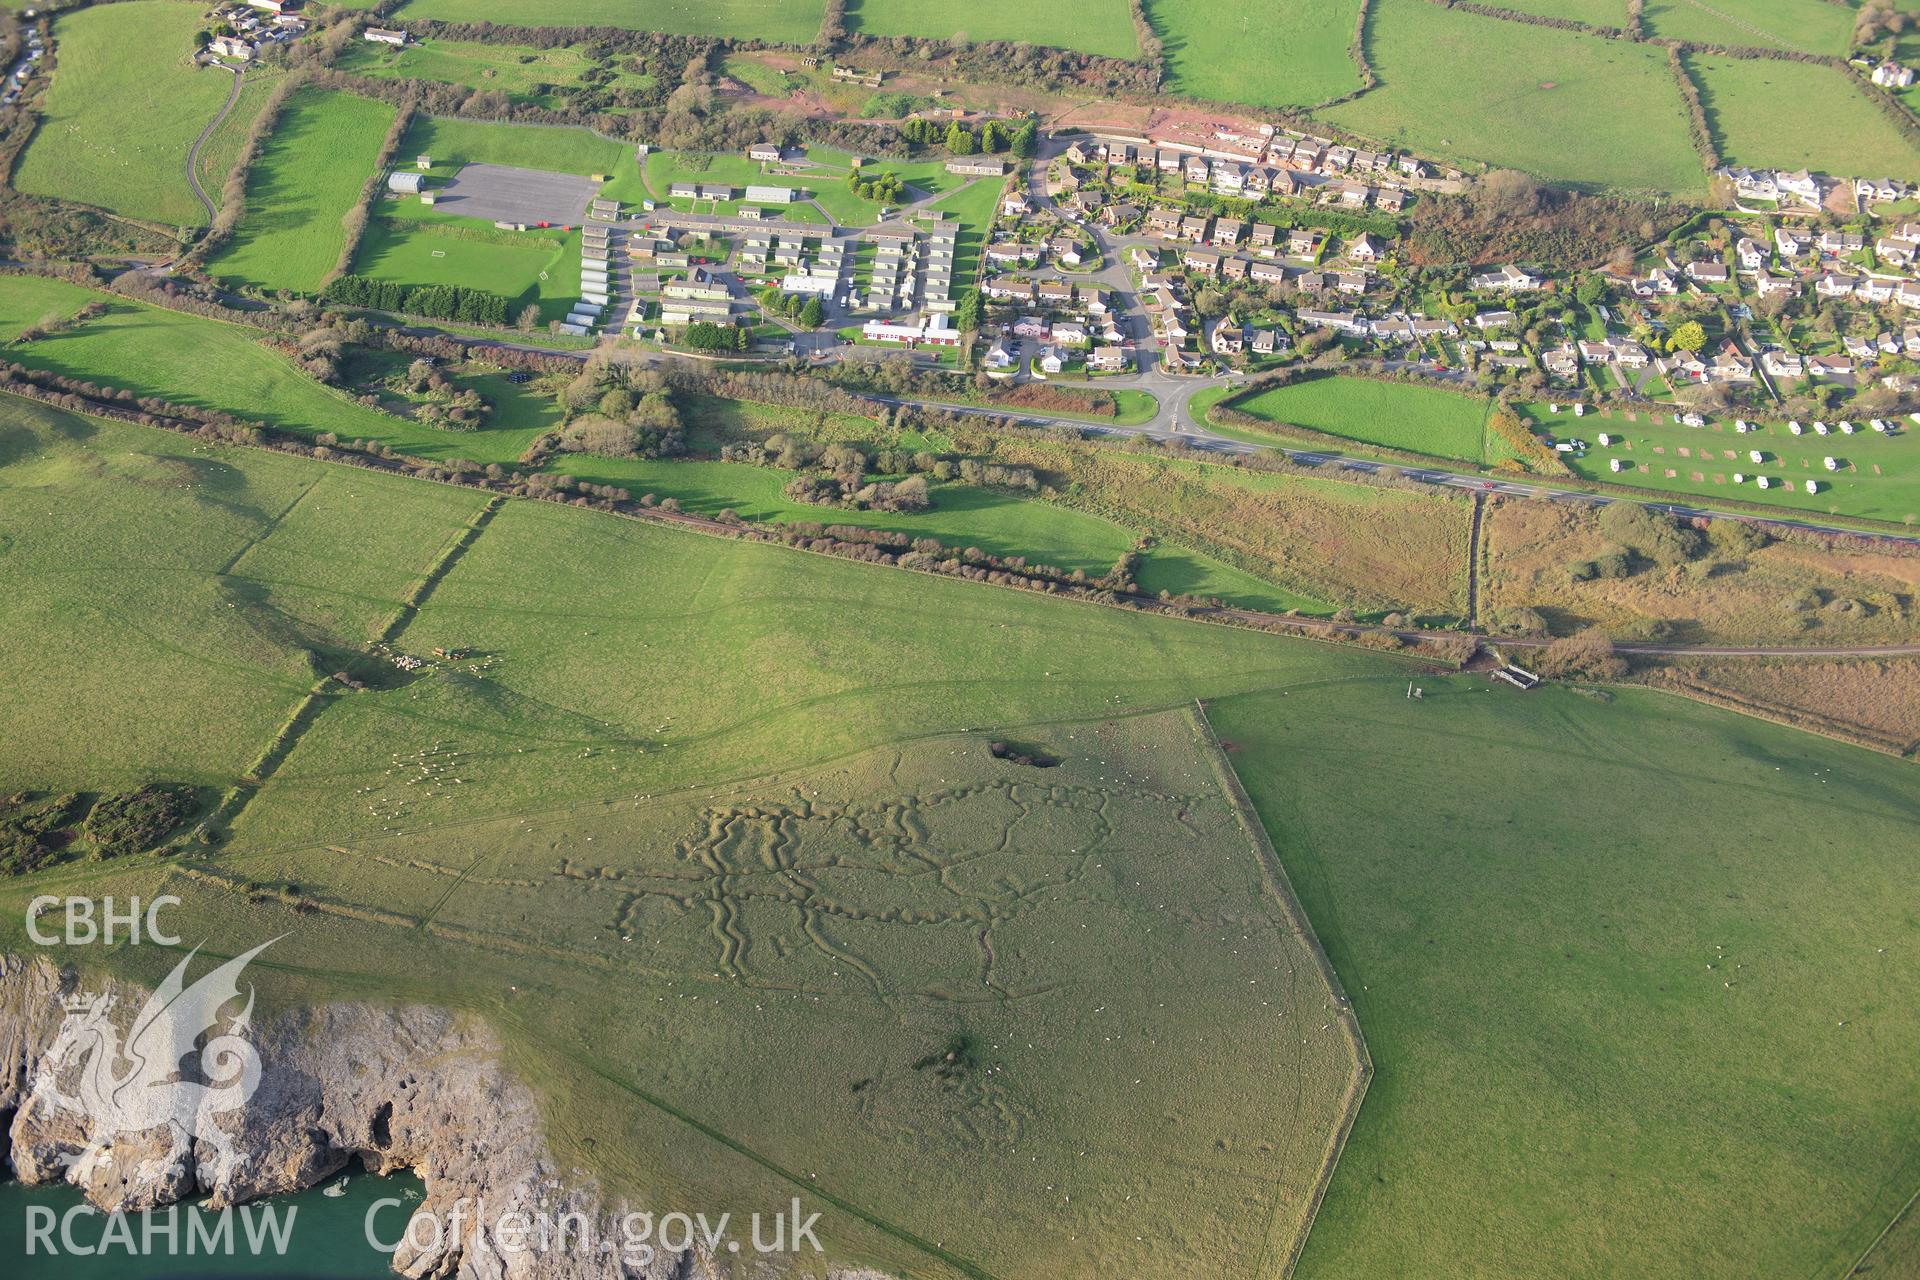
1658,282
1350,281
998,358
1765,283
1354,194
1891,75
1193,229
1013,205
1508,279
1830,366
1833,241
1142,258
1304,242
1196,169
1054,293
1782,364
1262,271
1267,342
1836,285
1801,185
1339,321
1120,215
1486,320
1065,250
1228,340
1227,232
1031,327
764,152
1791,242
385,35
1730,365
1750,255
1068,334
1562,362
1390,199
1010,253
1263,236
1052,360
1109,360
232,47
1708,271
1364,248
1229,179
1164,223
1204,261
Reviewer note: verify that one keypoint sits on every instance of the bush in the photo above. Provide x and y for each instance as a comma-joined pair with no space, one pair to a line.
136,820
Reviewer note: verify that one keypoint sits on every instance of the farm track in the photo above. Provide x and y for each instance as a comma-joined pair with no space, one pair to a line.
1474,535
193,152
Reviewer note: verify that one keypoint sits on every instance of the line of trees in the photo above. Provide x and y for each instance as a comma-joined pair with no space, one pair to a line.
434,301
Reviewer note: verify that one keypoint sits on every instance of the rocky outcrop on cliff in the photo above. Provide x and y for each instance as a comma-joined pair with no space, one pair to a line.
406,1087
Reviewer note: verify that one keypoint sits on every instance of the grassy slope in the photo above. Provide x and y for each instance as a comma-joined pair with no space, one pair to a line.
1536,905
1596,112
787,21
516,70
1813,26
125,106
291,235
621,660
194,603
1428,420
1790,115
1598,13
222,149
1279,56
140,348
1091,26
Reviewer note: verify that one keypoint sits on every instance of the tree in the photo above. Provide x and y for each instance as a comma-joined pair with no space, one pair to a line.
1689,336
1592,288
812,313
529,317
1026,140
960,139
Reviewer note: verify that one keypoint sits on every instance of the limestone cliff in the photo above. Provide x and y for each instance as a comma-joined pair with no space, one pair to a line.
407,1087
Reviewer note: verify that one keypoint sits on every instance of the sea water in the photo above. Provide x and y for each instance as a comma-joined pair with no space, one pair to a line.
313,1235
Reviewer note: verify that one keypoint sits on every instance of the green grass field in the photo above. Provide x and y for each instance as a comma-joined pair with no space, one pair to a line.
1880,479
1102,27
1563,106
222,149
292,233
197,601
1812,26
522,72
631,689
192,360
1627,971
1426,420
1598,13
1792,115
535,267
783,21
125,107
1292,55
141,349
555,148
